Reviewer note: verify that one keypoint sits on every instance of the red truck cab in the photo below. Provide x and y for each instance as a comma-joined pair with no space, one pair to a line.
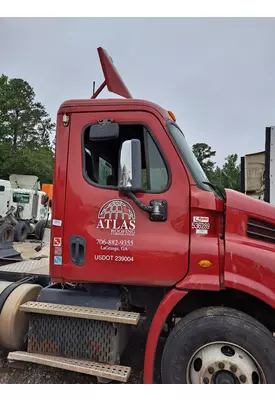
122,243
133,207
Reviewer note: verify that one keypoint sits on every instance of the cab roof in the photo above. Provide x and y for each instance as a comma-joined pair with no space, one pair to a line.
78,105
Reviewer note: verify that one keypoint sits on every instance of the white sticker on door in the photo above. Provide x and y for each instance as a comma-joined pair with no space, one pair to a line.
201,225
57,222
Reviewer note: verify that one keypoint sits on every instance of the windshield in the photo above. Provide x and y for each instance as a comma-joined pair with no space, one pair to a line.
188,156
21,198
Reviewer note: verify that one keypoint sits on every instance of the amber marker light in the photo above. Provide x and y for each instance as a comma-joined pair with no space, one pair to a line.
172,115
205,264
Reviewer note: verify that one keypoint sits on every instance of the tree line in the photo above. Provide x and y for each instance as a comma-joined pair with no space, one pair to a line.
228,176
26,130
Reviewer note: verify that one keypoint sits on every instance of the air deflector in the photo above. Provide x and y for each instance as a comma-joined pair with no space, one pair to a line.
113,80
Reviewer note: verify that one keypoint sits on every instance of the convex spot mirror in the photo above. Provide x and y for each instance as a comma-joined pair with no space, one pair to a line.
130,166
104,130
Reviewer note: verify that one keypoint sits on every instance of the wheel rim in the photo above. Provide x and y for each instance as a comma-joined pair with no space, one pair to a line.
223,362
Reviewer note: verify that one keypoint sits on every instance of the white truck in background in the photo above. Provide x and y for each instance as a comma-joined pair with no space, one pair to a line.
258,171
23,208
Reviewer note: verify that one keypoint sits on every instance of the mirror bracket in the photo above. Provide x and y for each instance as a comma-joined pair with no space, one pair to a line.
105,121
159,212
157,208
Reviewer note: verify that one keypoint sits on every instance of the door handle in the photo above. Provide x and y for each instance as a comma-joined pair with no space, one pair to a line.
78,250
77,245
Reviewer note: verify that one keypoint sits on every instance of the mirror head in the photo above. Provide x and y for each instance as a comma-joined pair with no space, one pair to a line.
130,166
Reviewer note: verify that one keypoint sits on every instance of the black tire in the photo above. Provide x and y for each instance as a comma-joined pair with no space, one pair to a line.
6,233
216,324
21,231
39,230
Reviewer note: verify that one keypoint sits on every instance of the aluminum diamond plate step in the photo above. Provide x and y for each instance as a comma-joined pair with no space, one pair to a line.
29,267
121,317
113,372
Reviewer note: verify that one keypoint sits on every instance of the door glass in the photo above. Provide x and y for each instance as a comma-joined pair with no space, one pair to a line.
102,159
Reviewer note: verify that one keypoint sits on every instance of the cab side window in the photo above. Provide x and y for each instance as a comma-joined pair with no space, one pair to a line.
101,159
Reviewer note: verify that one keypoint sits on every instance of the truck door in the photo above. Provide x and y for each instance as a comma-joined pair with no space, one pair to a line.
106,237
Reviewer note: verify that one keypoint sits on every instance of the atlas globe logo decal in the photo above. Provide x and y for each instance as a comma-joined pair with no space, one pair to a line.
118,216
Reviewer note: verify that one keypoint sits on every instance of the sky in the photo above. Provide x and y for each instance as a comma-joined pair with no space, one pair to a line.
215,74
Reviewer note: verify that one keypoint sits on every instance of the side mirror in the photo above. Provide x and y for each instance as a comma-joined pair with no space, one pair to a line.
50,203
130,166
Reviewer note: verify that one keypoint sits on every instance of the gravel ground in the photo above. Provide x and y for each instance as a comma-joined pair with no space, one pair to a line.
20,372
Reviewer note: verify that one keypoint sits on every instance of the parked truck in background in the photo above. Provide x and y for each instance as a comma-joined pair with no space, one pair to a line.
253,175
258,171
140,236
23,208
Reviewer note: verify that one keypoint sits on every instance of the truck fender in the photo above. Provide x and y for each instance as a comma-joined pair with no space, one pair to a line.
165,307
246,285
10,288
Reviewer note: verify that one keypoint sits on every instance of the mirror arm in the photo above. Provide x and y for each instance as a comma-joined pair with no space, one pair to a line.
157,208
142,206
